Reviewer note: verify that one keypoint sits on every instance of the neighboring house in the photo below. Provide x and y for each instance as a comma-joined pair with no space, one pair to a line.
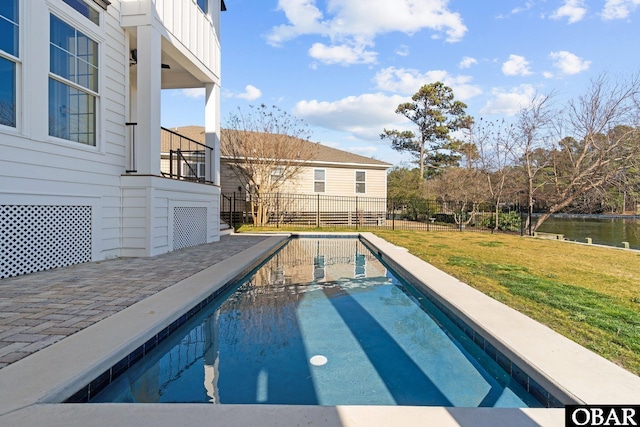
80,90
331,173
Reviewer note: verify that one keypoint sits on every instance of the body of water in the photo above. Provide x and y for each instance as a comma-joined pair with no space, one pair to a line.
603,230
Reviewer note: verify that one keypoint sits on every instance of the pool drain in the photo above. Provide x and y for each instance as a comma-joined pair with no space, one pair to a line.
318,360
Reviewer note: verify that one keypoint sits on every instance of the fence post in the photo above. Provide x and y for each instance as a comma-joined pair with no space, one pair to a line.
233,212
318,211
393,214
357,215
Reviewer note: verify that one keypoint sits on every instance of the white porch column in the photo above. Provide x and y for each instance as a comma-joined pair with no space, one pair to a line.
212,129
149,85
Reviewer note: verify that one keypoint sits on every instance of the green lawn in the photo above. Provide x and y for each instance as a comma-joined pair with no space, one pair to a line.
589,294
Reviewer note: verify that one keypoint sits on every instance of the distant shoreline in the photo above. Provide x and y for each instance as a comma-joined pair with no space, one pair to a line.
593,216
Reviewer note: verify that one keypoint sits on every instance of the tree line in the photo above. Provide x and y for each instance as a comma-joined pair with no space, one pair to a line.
582,156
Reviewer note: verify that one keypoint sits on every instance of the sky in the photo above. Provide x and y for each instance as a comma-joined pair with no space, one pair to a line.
343,66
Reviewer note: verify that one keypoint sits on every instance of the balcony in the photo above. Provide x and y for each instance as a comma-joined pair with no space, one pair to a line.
181,157
190,42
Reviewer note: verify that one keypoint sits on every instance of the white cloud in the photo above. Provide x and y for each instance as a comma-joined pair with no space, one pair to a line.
198,92
574,10
363,151
509,102
357,23
619,9
407,81
467,62
342,54
568,63
516,65
364,116
251,93
528,5
402,50
304,18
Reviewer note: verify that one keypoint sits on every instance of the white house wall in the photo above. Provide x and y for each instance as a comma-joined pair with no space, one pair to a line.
150,206
41,175
38,170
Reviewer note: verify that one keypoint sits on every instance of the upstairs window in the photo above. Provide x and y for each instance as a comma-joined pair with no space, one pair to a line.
9,44
85,10
318,181
73,83
204,6
361,186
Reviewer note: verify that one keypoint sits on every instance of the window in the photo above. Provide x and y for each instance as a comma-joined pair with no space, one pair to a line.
361,182
9,42
194,170
204,5
318,181
85,10
276,173
73,84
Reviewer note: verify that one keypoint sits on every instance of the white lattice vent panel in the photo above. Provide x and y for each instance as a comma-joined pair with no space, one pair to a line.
189,227
36,238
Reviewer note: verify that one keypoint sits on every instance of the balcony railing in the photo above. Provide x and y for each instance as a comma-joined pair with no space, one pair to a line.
184,158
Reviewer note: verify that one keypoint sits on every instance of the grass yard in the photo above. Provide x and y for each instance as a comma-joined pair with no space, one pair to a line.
587,293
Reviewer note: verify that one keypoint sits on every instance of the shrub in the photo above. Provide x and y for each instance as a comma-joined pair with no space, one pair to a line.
507,221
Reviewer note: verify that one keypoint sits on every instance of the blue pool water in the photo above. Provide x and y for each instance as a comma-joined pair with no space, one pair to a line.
322,322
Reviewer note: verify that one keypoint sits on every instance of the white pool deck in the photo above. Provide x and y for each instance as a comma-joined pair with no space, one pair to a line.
570,372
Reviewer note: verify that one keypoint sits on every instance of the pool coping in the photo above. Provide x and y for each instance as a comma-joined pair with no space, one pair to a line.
578,373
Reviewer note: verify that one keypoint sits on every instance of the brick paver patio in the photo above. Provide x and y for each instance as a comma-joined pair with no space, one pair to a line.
39,309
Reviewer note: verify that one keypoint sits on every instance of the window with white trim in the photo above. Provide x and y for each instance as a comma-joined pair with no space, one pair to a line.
9,54
194,170
361,184
319,181
276,173
73,83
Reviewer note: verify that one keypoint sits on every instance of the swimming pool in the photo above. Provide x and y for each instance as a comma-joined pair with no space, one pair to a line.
322,322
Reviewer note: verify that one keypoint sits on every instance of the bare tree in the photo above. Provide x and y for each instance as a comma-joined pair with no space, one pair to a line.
266,148
532,135
461,192
495,144
600,138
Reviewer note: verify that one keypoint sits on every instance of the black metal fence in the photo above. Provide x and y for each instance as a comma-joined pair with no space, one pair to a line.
184,158
320,211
